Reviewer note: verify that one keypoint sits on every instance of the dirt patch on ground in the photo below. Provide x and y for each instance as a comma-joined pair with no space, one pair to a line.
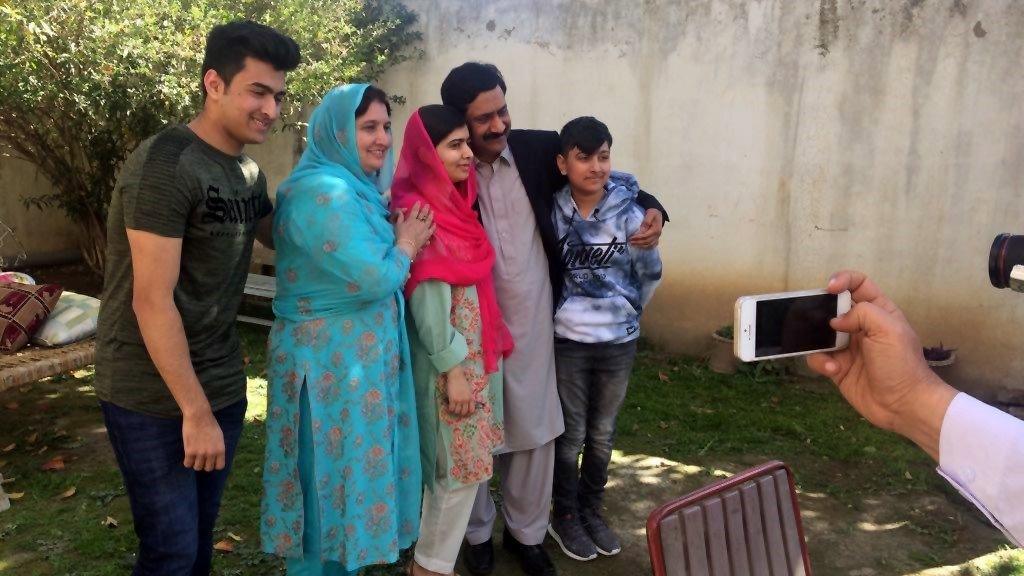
848,530
883,535
60,415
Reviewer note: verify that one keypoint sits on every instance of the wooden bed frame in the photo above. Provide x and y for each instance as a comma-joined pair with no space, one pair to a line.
34,363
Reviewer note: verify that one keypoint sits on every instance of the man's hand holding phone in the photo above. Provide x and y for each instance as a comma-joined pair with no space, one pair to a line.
882,373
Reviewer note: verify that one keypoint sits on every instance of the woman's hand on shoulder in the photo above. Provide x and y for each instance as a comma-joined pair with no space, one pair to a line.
414,229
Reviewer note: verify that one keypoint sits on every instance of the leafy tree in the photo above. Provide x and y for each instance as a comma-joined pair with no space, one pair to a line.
83,82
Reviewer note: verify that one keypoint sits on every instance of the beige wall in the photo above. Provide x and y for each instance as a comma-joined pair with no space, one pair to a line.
277,156
47,234
42,233
786,139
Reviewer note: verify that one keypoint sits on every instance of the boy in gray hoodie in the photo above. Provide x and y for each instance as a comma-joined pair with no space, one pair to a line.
607,284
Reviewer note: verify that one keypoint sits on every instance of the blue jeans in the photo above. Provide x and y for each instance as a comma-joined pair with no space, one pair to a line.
174,508
592,382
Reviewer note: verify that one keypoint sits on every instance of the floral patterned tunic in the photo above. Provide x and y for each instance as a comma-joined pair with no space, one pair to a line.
340,337
444,330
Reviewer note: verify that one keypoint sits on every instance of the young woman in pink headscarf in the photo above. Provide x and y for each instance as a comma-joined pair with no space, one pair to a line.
457,334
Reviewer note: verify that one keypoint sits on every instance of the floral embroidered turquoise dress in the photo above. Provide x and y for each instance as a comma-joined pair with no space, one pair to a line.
342,473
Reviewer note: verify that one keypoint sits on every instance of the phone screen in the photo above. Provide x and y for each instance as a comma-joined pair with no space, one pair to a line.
800,324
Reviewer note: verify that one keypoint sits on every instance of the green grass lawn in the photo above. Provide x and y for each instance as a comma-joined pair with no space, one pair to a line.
676,410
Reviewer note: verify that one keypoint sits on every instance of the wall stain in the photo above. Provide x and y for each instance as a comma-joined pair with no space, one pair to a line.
491,25
871,121
909,15
545,46
979,30
828,25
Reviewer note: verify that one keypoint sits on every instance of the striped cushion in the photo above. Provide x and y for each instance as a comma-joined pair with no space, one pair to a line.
23,309
73,318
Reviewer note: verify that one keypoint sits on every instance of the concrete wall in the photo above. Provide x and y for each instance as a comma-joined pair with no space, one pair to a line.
787,139
43,234
47,235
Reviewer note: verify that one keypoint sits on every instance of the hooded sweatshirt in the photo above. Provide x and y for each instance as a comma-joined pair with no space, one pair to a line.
607,281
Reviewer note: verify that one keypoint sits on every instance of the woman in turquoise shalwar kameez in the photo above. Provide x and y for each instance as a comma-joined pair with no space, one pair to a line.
342,476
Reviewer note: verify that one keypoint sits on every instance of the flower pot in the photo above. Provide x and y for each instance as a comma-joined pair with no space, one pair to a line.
722,360
943,368
940,363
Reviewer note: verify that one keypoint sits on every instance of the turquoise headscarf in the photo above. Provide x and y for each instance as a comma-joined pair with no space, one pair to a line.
331,151
340,329
328,171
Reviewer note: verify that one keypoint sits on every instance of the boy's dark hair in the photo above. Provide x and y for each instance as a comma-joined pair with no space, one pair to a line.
228,45
585,133
370,95
464,83
440,120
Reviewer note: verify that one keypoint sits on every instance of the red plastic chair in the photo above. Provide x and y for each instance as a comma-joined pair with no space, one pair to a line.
746,524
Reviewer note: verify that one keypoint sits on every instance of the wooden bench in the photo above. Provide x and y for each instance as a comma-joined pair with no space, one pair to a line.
37,362
259,286
261,282
34,363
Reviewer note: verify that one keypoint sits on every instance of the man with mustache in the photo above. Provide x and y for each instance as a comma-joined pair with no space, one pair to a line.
517,176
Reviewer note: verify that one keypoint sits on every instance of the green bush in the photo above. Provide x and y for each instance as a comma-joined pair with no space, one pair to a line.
83,82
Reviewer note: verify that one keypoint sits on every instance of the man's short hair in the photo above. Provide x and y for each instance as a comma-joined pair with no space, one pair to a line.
585,133
464,83
228,45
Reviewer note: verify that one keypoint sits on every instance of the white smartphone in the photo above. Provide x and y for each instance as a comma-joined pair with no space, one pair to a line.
768,326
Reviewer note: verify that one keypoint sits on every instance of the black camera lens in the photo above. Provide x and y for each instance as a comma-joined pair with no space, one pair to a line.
1007,251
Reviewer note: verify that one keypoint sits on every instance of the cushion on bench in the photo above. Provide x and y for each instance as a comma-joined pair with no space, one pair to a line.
73,318
23,309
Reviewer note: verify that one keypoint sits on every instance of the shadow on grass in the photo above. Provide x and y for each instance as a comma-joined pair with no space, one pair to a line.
872,503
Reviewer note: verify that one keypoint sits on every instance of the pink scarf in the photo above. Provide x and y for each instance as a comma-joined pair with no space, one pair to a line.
459,253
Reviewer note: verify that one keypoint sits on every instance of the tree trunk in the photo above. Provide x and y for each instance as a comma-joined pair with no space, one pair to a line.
93,242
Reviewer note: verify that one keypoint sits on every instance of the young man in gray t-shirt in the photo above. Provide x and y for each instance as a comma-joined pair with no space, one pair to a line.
169,368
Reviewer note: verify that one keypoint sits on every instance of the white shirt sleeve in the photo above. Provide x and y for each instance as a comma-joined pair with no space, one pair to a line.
981,452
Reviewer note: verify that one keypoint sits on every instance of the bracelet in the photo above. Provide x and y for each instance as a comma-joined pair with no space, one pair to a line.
412,248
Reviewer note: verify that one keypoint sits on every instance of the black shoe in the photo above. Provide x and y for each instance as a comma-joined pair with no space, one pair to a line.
603,537
572,537
479,558
533,559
